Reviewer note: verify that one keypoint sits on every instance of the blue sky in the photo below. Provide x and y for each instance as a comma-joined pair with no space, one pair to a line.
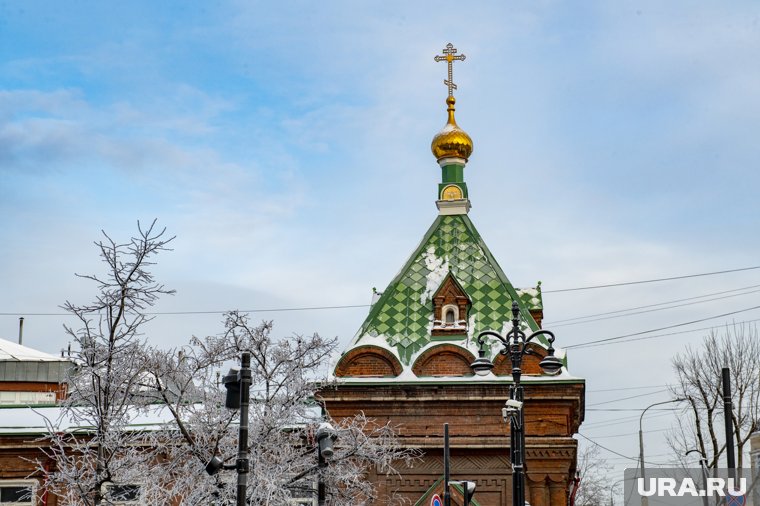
287,147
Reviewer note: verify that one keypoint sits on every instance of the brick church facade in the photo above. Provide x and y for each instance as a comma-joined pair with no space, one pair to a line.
409,363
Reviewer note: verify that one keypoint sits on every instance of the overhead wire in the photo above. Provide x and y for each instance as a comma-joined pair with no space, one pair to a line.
655,280
625,388
633,334
627,398
635,459
701,329
350,306
553,325
626,419
556,322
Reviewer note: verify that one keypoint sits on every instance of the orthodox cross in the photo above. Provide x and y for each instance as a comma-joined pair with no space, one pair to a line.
449,55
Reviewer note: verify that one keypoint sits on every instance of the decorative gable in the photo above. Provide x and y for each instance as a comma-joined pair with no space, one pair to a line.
450,308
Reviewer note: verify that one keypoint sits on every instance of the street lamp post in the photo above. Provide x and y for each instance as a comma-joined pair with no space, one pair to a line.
326,436
703,467
645,499
238,385
515,346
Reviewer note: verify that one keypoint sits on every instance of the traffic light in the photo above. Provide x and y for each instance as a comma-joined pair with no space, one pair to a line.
232,384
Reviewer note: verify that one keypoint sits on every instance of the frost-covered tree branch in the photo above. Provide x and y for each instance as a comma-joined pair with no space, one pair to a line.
104,391
120,377
283,417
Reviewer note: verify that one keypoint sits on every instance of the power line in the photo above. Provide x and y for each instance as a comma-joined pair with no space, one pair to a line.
624,419
349,306
625,388
633,433
579,346
652,310
628,409
657,280
616,338
626,398
163,313
616,453
556,322
604,447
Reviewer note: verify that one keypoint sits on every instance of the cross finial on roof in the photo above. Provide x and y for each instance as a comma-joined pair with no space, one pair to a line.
449,55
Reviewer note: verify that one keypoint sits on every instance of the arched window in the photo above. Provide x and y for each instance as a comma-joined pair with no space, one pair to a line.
450,314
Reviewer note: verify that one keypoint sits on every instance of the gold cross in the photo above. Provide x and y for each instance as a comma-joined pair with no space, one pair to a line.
449,55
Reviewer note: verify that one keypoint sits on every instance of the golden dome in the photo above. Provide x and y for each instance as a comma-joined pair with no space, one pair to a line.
452,141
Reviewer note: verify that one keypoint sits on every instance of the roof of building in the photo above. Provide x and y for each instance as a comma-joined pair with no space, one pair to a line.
403,314
40,420
16,352
21,363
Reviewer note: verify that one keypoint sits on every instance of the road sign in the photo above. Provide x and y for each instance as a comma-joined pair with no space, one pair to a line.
436,500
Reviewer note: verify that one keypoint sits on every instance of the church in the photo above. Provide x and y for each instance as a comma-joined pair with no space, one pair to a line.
410,362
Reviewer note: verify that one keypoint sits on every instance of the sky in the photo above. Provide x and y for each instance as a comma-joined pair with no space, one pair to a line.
286,146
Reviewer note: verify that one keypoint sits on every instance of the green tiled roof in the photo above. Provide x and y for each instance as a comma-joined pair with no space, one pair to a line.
404,313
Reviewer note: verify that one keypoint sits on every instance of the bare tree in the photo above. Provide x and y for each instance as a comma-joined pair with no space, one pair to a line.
699,380
120,380
594,473
283,418
103,394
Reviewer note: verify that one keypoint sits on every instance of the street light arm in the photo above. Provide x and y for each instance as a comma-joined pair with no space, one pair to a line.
679,399
482,335
518,333
541,333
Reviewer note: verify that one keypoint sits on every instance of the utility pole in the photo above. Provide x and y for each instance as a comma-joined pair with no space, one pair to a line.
446,493
727,411
242,463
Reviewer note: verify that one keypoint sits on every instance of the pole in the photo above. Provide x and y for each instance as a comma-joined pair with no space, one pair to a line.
727,411
446,493
645,499
242,463
517,422
703,465
321,490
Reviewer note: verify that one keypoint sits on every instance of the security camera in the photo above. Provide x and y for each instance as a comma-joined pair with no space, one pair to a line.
511,409
514,404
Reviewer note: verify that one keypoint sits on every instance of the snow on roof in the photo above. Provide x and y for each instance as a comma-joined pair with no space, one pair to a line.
407,377
35,420
10,351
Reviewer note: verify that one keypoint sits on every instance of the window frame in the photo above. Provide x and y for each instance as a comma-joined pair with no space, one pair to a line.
114,502
32,484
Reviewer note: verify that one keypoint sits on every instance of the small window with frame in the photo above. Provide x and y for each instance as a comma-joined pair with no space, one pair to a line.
125,494
303,493
18,492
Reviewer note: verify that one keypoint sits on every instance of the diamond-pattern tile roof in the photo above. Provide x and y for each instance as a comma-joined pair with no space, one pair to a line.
403,315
